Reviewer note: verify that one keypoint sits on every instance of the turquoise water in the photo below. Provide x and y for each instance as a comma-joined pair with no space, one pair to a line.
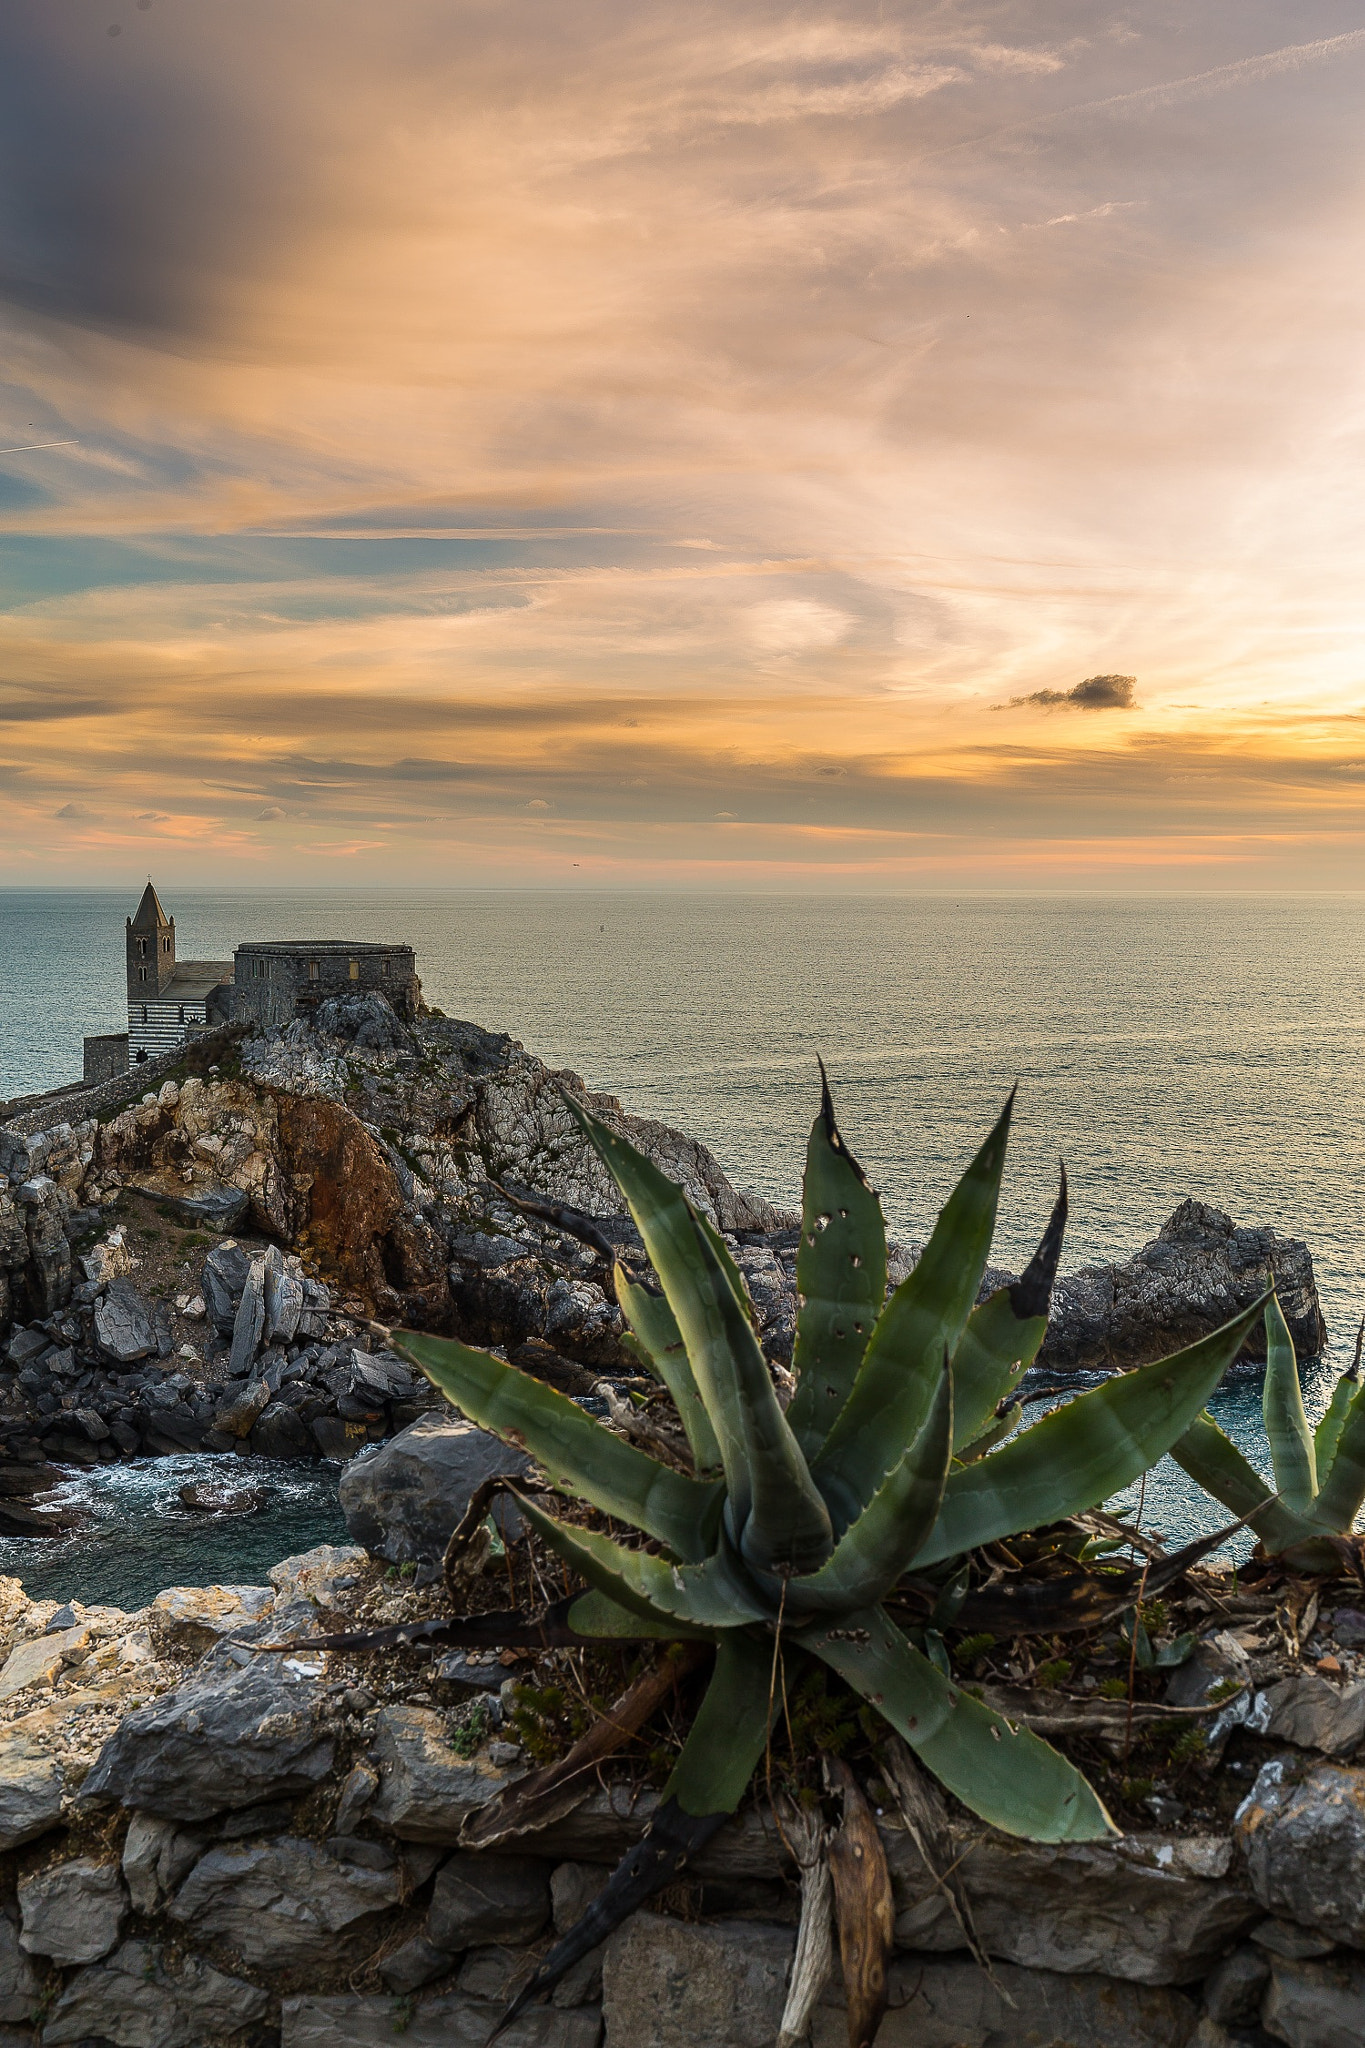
1165,1047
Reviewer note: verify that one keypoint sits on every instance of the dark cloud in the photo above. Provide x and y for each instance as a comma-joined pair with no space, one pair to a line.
1096,693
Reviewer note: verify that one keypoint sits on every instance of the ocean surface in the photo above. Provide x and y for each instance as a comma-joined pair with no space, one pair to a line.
1164,1047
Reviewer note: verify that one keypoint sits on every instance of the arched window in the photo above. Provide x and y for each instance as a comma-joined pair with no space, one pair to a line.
312,970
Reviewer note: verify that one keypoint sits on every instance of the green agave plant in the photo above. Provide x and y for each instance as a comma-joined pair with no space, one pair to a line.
796,1525
1319,1474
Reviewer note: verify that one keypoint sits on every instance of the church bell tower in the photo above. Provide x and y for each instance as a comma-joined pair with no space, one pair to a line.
151,949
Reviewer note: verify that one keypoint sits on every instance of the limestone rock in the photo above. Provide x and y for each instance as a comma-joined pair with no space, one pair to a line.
1303,1835
278,1433
215,1743
1197,1271
237,1415
1232,1989
207,1208
403,1500
249,1321
452,2022
198,1613
673,1984
145,1997
124,1329
426,1789
36,1661
480,1898
283,1299
73,1912
1317,2005
950,2004
284,1903
1149,1909
1308,1710
416,1963
222,1281
30,1791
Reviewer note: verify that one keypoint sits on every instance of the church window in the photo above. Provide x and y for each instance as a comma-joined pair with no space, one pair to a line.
355,970
312,970
142,974
142,949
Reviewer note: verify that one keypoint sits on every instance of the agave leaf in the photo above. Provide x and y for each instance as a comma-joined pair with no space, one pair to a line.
1081,1453
1343,1486
1286,1425
728,1735
677,1246
1216,1464
1007,1775
923,1319
1004,1425
1003,1335
874,1551
578,1454
840,1278
1328,1431
593,1614
660,1345
714,1595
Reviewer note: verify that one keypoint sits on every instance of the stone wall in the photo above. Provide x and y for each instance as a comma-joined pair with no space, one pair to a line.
210,1844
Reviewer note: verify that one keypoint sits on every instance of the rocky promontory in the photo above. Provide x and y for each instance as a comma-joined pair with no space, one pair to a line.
208,1254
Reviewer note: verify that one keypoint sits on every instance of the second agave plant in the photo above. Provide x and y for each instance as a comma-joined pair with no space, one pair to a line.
783,1542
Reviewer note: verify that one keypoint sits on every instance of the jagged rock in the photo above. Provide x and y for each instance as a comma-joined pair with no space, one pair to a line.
324,1575
49,1254
124,1329
223,1500
217,1742
249,1321
20,1985
201,1613
1287,1938
283,1299
1149,1909
222,1281
31,1790
148,1997
1232,1989
237,1415
37,1660
1198,1271
72,1912
426,1789
481,1898
1303,1835
1317,2005
283,1903
1311,1712
366,1019
208,1208
403,1500
450,2022
671,1984
156,1855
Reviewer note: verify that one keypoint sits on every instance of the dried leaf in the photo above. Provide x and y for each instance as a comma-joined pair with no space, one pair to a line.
863,1906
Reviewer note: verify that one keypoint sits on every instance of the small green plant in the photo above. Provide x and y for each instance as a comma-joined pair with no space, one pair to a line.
470,1727
973,1648
1319,1474
1053,1672
1112,1688
1189,1747
780,1547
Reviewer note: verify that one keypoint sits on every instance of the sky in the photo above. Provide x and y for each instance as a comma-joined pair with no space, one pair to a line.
803,447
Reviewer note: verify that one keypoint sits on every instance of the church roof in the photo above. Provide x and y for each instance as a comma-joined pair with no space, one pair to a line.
150,916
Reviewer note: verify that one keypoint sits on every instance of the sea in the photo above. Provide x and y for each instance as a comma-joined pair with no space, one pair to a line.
1163,1046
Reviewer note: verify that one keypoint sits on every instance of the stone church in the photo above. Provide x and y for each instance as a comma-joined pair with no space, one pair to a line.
269,982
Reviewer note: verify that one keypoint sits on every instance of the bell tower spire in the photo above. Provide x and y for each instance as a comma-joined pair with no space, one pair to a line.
150,948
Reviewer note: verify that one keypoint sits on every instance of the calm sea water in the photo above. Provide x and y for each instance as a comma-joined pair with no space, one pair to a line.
1164,1047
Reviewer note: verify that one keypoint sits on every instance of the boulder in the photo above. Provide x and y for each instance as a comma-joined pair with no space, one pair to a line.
148,1997
403,1500
124,1329
279,1433
249,1321
949,2004
1316,2005
1149,1909
72,1912
414,1964
217,1742
480,1898
222,1281
237,1416
451,2022
285,1903
156,1856
208,1208
1198,1270
30,1791
1233,1988
36,1660
324,1575
426,1788
283,1299
200,1613
1303,1835
674,1984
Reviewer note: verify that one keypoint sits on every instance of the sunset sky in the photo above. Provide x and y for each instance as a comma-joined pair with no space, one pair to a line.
690,446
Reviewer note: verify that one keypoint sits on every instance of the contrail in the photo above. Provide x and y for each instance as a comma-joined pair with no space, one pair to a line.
25,446
1199,85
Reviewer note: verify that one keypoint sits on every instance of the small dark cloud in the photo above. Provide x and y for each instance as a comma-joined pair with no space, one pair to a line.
1096,693
270,813
74,810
